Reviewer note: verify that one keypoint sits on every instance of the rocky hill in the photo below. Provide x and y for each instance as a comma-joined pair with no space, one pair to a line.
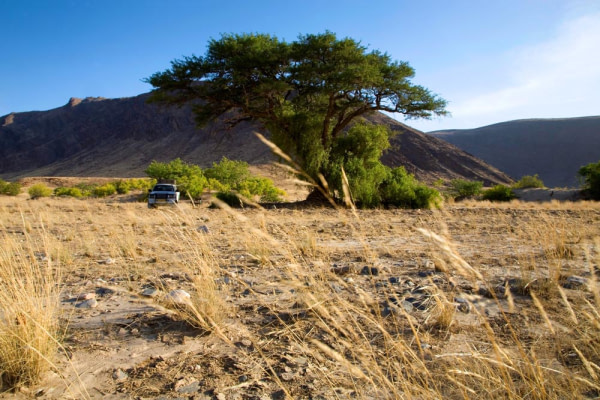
553,148
120,137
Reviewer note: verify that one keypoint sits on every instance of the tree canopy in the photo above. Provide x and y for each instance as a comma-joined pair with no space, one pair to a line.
306,92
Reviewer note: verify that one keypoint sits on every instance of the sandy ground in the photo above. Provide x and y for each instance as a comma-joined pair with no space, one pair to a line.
264,263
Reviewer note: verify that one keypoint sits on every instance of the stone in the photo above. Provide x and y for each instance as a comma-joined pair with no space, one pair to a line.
150,292
203,229
119,375
463,305
366,270
179,296
85,296
394,280
574,282
192,387
407,306
90,303
340,270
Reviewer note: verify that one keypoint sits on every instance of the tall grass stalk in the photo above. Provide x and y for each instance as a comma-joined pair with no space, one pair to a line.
30,277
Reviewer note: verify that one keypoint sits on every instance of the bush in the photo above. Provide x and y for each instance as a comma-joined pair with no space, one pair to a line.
263,188
189,177
228,172
104,190
401,189
499,193
140,184
461,188
122,186
68,191
10,188
39,190
591,180
529,181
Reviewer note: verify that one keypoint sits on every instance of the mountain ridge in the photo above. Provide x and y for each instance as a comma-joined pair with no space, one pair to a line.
553,148
120,137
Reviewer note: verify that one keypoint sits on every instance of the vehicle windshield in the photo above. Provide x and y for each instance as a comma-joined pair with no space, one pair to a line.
163,188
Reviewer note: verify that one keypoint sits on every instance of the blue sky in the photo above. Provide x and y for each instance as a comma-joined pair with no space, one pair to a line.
492,60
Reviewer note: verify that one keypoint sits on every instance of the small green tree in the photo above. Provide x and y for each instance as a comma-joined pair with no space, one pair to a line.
590,175
529,181
39,190
228,172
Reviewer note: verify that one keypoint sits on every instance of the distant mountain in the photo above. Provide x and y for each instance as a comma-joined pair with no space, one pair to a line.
120,137
552,148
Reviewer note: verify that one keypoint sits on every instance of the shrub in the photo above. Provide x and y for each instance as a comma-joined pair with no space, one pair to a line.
262,188
104,190
529,181
39,190
401,189
68,191
228,172
189,177
461,188
140,183
122,186
499,193
591,179
215,185
10,188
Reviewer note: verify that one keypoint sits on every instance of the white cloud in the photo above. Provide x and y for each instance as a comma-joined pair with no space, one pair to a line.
557,78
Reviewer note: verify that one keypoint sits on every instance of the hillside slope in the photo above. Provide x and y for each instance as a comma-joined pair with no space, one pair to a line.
552,148
120,137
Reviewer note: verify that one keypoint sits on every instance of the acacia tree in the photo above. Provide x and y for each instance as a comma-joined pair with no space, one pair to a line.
306,93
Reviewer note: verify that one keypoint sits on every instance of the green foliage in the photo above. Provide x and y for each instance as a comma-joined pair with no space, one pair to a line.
590,175
39,190
228,172
10,188
306,93
529,181
224,177
499,193
107,189
122,186
358,154
216,186
461,188
68,191
401,189
263,188
189,177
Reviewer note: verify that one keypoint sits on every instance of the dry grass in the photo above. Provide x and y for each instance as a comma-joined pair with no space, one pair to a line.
471,301
29,307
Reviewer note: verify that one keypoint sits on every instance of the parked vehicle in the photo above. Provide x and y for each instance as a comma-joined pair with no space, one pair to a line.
163,193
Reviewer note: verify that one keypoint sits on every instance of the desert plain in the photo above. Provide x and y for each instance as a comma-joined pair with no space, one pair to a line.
473,300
